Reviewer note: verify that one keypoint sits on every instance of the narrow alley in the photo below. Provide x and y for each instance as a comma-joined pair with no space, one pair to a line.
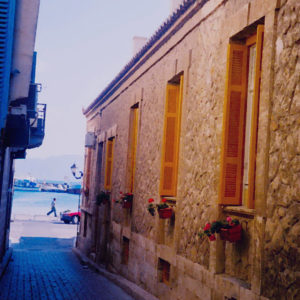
46,267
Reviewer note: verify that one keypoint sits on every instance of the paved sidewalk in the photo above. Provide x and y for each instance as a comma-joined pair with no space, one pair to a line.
46,268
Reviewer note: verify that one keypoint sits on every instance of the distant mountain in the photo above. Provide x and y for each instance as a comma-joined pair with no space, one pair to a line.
51,168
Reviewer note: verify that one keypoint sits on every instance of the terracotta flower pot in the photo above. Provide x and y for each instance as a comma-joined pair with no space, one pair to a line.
232,235
127,204
165,213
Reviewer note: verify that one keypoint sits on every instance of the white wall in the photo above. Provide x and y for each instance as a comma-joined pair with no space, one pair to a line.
24,40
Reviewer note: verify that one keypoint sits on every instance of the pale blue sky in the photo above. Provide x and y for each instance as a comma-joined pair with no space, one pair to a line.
82,46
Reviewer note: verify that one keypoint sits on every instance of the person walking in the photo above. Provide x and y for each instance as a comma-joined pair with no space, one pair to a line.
53,209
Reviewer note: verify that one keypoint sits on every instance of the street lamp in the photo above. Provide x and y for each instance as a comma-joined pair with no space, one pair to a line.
74,170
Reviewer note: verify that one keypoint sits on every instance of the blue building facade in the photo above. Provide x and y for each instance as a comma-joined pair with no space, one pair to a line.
22,118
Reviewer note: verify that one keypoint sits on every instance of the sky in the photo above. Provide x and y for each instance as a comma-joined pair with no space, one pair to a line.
82,46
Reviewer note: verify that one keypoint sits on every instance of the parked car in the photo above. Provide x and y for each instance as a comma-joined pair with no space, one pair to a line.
70,217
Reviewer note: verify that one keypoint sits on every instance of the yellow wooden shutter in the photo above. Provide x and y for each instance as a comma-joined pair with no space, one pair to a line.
233,126
109,164
88,168
169,166
134,128
254,123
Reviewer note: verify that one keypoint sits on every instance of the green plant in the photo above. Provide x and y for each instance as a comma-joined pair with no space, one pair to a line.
162,205
215,227
124,198
102,198
152,207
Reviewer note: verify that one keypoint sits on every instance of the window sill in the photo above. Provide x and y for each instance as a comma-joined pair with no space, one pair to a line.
170,200
240,210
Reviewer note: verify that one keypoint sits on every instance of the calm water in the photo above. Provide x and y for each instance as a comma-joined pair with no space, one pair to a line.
39,203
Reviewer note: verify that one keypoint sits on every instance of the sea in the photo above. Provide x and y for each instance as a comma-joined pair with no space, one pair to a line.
39,203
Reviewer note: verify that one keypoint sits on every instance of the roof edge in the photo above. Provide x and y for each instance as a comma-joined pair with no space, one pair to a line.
171,20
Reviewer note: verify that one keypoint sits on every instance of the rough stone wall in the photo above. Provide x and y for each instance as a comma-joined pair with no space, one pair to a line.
282,248
201,55
201,136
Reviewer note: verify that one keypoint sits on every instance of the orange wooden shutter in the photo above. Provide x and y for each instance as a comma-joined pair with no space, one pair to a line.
134,129
233,126
169,165
109,164
254,123
88,168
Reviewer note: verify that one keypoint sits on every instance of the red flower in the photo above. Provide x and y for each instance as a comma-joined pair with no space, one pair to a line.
113,200
121,193
212,237
150,200
228,219
207,226
164,200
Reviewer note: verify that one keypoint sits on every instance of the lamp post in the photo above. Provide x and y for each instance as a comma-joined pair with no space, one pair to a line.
74,169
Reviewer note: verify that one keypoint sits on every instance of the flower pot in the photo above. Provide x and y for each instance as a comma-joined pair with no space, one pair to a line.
165,213
232,234
126,204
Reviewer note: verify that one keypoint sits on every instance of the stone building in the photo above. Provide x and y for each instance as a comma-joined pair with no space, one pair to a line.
206,116
22,119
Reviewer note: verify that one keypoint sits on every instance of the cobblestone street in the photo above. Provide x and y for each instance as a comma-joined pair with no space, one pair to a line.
46,268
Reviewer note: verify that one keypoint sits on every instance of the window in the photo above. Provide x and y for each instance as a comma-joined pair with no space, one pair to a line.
170,150
88,171
125,251
85,224
99,163
241,121
132,145
109,163
164,271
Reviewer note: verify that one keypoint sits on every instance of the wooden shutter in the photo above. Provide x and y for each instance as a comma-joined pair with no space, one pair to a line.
7,20
109,164
254,117
88,168
233,126
169,165
134,130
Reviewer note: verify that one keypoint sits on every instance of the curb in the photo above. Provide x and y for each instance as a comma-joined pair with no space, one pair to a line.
129,287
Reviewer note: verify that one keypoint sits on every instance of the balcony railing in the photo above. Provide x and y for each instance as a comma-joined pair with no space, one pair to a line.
37,126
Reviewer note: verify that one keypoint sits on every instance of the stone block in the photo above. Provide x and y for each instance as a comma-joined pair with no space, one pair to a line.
238,21
166,253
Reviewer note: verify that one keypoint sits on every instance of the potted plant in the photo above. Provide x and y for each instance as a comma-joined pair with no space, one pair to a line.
229,230
151,207
163,209
102,198
126,200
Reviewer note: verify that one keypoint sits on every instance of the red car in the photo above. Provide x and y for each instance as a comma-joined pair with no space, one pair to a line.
70,217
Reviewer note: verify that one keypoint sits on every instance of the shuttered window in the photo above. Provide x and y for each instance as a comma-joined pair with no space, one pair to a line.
125,251
164,269
7,16
170,149
134,117
109,163
88,169
240,122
